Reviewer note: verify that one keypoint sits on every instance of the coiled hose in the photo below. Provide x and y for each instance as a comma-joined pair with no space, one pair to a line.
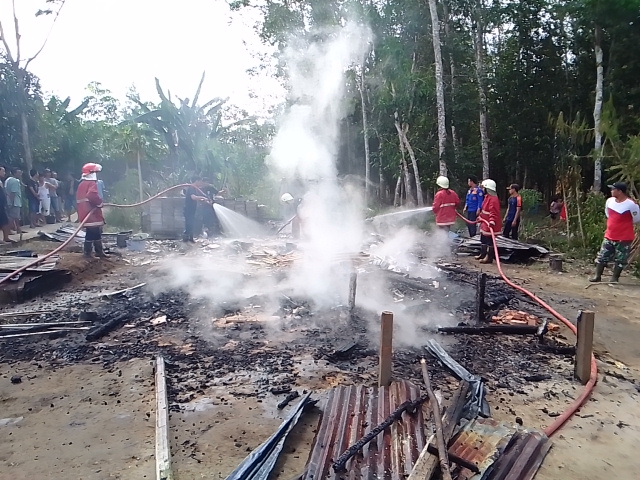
593,378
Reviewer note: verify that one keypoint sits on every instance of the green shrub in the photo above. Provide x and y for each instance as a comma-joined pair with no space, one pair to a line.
594,221
124,192
531,199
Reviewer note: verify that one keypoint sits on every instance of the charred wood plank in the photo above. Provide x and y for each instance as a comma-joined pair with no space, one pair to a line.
507,329
435,408
292,396
481,287
410,406
108,327
456,459
427,464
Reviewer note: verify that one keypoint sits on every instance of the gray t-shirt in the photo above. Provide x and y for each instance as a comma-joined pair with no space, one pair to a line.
53,192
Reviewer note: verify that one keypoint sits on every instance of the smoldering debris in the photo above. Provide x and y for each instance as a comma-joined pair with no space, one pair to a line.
291,346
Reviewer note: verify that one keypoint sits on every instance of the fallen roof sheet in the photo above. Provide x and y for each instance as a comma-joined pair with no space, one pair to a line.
9,264
259,463
508,248
523,457
481,442
353,411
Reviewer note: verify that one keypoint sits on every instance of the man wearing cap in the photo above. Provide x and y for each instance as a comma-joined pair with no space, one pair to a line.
622,213
473,204
444,204
512,217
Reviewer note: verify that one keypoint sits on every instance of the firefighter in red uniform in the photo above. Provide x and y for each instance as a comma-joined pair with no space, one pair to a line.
444,204
490,213
90,208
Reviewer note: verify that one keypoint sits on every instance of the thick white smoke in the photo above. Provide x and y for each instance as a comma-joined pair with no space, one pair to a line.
305,149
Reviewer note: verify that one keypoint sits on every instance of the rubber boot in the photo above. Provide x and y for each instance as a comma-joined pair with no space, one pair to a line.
598,275
88,246
489,258
99,250
483,252
616,274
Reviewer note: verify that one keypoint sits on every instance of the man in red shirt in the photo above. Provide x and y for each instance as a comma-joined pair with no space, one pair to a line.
444,204
490,214
622,213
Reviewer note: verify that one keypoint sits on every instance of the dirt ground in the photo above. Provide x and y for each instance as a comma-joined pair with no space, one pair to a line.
600,442
85,421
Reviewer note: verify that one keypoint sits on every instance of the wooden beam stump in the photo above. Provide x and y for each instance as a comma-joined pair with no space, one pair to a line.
481,287
584,346
386,349
353,283
163,453
555,263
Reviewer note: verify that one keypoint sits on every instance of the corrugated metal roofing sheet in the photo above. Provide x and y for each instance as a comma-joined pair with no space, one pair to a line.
349,414
481,441
523,457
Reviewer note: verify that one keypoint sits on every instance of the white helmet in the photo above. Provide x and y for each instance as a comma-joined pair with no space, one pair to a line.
442,182
489,185
286,198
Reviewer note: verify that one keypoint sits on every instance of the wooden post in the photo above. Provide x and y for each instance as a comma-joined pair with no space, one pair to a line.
386,349
163,454
353,283
584,346
555,263
481,286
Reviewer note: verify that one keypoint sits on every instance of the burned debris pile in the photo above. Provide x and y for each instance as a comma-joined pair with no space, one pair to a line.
296,348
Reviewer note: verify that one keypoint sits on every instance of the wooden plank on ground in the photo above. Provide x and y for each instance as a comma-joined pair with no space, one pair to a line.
163,453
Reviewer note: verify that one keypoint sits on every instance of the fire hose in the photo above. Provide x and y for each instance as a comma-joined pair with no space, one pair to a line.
549,431
588,388
81,225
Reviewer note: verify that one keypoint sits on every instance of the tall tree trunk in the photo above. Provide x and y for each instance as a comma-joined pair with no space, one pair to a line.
24,123
452,68
414,163
437,50
405,167
382,185
397,198
140,178
405,145
480,75
365,133
597,110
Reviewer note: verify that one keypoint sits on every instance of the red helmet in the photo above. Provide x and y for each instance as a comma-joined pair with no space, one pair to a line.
91,168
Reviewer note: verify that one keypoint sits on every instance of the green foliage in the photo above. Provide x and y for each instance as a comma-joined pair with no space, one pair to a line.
124,192
594,222
531,199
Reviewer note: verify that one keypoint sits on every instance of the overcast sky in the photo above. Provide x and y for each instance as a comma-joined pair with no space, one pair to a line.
120,43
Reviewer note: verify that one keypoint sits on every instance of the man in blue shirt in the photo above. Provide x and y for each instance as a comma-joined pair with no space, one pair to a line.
511,219
473,204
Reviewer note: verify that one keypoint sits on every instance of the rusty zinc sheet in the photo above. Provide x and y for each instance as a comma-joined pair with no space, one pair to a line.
353,411
481,441
523,457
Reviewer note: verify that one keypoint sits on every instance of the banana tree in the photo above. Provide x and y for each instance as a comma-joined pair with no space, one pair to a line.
189,129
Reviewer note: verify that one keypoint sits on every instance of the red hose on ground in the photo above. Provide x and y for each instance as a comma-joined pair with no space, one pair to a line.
67,241
588,388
